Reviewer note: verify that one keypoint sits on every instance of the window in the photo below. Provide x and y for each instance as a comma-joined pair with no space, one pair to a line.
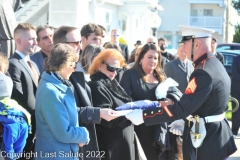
107,18
208,12
169,40
194,12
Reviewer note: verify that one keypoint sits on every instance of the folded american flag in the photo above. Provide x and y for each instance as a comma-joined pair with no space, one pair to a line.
143,104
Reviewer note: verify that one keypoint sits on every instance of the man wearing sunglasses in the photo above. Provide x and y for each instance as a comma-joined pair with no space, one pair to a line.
88,115
115,36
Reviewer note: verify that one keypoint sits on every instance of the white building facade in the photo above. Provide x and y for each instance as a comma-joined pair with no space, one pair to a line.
212,14
132,17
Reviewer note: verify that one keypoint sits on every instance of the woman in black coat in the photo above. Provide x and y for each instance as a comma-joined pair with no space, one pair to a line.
115,138
140,83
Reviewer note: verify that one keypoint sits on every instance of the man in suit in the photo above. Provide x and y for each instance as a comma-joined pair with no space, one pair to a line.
180,69
24,74
44,39
115,39
235,92
91,34
88,115
218,55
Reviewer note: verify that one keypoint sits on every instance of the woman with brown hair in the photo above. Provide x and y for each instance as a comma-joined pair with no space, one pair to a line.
55,104
140,82
116,137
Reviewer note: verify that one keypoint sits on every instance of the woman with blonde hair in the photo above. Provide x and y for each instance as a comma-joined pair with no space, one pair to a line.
115,137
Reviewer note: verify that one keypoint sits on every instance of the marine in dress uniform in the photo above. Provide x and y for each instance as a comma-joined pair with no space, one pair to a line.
206,96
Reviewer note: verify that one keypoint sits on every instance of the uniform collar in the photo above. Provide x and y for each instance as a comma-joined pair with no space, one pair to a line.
202,58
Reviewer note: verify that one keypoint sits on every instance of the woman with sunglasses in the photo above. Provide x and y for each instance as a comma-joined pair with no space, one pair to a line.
140,83
115,137
57,132
124,67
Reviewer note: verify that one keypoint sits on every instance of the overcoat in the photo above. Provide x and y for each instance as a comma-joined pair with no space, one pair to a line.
58,134
116,137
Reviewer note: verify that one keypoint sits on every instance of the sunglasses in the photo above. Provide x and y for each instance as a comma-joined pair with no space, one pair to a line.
151,43
115,35
76,43
111,68
74,66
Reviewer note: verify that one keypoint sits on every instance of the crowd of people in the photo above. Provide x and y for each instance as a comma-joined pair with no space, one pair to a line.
66,94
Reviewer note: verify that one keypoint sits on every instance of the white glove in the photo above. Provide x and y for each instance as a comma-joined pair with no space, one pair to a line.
136,116
177,127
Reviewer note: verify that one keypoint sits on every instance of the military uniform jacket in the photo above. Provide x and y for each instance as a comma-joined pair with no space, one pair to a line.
207,94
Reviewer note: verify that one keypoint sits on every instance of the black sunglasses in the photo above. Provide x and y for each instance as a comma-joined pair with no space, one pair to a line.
111,68
76,43
74,66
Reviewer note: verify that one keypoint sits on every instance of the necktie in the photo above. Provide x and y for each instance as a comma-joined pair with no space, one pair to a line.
34,72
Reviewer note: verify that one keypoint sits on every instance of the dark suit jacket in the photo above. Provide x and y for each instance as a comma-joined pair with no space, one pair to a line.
87,115
38,59
24,87
125,53
176,71
24,91
164,61
220,57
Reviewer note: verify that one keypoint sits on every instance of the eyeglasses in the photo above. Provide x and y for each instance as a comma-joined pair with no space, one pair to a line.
111,68
151,43
115,35
74,66
76,43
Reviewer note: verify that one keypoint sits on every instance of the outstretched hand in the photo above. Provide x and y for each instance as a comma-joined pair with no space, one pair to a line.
108,114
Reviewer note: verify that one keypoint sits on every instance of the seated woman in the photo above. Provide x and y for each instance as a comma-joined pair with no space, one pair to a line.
115,137
57,132
15,121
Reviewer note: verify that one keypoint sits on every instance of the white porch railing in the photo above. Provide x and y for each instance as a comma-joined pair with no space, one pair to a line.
206,21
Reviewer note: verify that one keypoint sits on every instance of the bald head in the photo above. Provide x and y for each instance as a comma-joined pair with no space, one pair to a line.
152,39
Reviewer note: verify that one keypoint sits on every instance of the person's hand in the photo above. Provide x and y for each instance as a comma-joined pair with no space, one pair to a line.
108,114
167,102
177,127
81,144
136,116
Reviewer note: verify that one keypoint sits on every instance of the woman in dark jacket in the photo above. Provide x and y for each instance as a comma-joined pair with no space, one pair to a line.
140,82
115,138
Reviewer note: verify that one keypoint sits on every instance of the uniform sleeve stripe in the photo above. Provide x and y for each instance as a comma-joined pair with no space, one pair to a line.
152,115
167,111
